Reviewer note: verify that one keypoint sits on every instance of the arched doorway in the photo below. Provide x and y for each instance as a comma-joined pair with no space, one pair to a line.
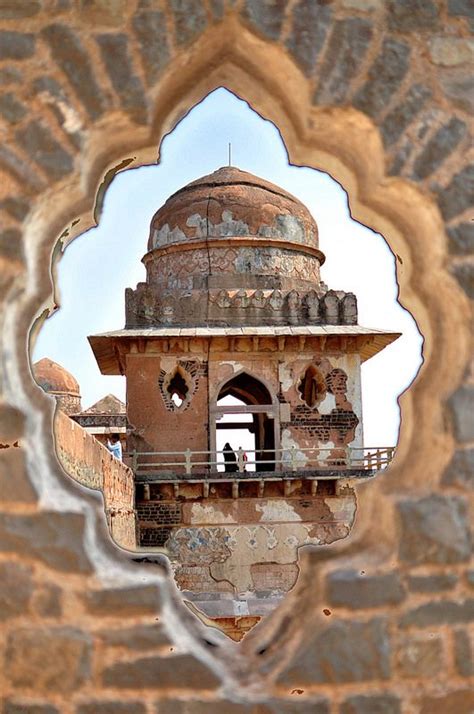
252,409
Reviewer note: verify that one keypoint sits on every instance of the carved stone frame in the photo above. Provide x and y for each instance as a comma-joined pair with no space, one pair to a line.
342,142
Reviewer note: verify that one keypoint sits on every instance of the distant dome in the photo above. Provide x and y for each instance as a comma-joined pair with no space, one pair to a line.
54,379
233,203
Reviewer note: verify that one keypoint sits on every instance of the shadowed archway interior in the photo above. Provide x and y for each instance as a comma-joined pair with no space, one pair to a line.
251,391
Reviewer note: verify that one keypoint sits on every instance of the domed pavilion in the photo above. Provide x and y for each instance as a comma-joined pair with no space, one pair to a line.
233,306
57,381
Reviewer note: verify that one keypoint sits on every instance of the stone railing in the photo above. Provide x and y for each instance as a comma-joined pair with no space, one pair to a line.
317,463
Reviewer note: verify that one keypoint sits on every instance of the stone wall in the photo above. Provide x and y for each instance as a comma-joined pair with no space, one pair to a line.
69,403
156,423
92,465
228,540
374,92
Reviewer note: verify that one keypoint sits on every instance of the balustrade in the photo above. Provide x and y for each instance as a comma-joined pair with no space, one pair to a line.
341,462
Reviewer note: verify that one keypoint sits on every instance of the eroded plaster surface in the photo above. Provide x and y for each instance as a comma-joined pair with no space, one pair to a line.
224,542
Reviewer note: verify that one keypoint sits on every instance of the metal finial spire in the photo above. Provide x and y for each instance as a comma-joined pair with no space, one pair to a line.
230,154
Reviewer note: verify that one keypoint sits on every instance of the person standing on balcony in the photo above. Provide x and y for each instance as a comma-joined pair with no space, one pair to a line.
244,458
230,458
114,446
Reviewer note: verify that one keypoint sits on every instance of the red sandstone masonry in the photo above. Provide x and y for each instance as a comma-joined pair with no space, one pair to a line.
92,465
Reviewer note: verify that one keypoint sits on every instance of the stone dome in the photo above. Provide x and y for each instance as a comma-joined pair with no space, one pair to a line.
60,383
53,378
233,203
233,249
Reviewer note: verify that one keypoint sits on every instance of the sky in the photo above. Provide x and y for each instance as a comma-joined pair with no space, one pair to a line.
98,265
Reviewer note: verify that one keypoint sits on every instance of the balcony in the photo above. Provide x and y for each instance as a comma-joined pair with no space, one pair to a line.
282,465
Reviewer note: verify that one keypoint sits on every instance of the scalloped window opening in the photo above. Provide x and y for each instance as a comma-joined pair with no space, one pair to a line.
312,386
232,281
177,389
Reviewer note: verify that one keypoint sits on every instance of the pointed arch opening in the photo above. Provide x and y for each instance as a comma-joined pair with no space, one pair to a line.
246,418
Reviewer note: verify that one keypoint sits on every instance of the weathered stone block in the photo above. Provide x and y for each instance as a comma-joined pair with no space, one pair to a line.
412,15
461,406
127,84
363,5
385,76
463,653
111,707
439,147
344,652
401,157
49,660
49,86
21,170
444,612
11,109
296,706
139,637
464,274
74,61
460,471
371,704
152,33
431,583
103,12
46,600
449,51
461,238
403,114
457,196
348,44
14,10
10,75
266,15
347,588
189,19
116,602
217,8
16,45
418,657
16,206
272,706
22,707
16,587
460,7
179,671
37,141
195,706
308,32
458,86
123,601
459,702
11,246
54,538
434,530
